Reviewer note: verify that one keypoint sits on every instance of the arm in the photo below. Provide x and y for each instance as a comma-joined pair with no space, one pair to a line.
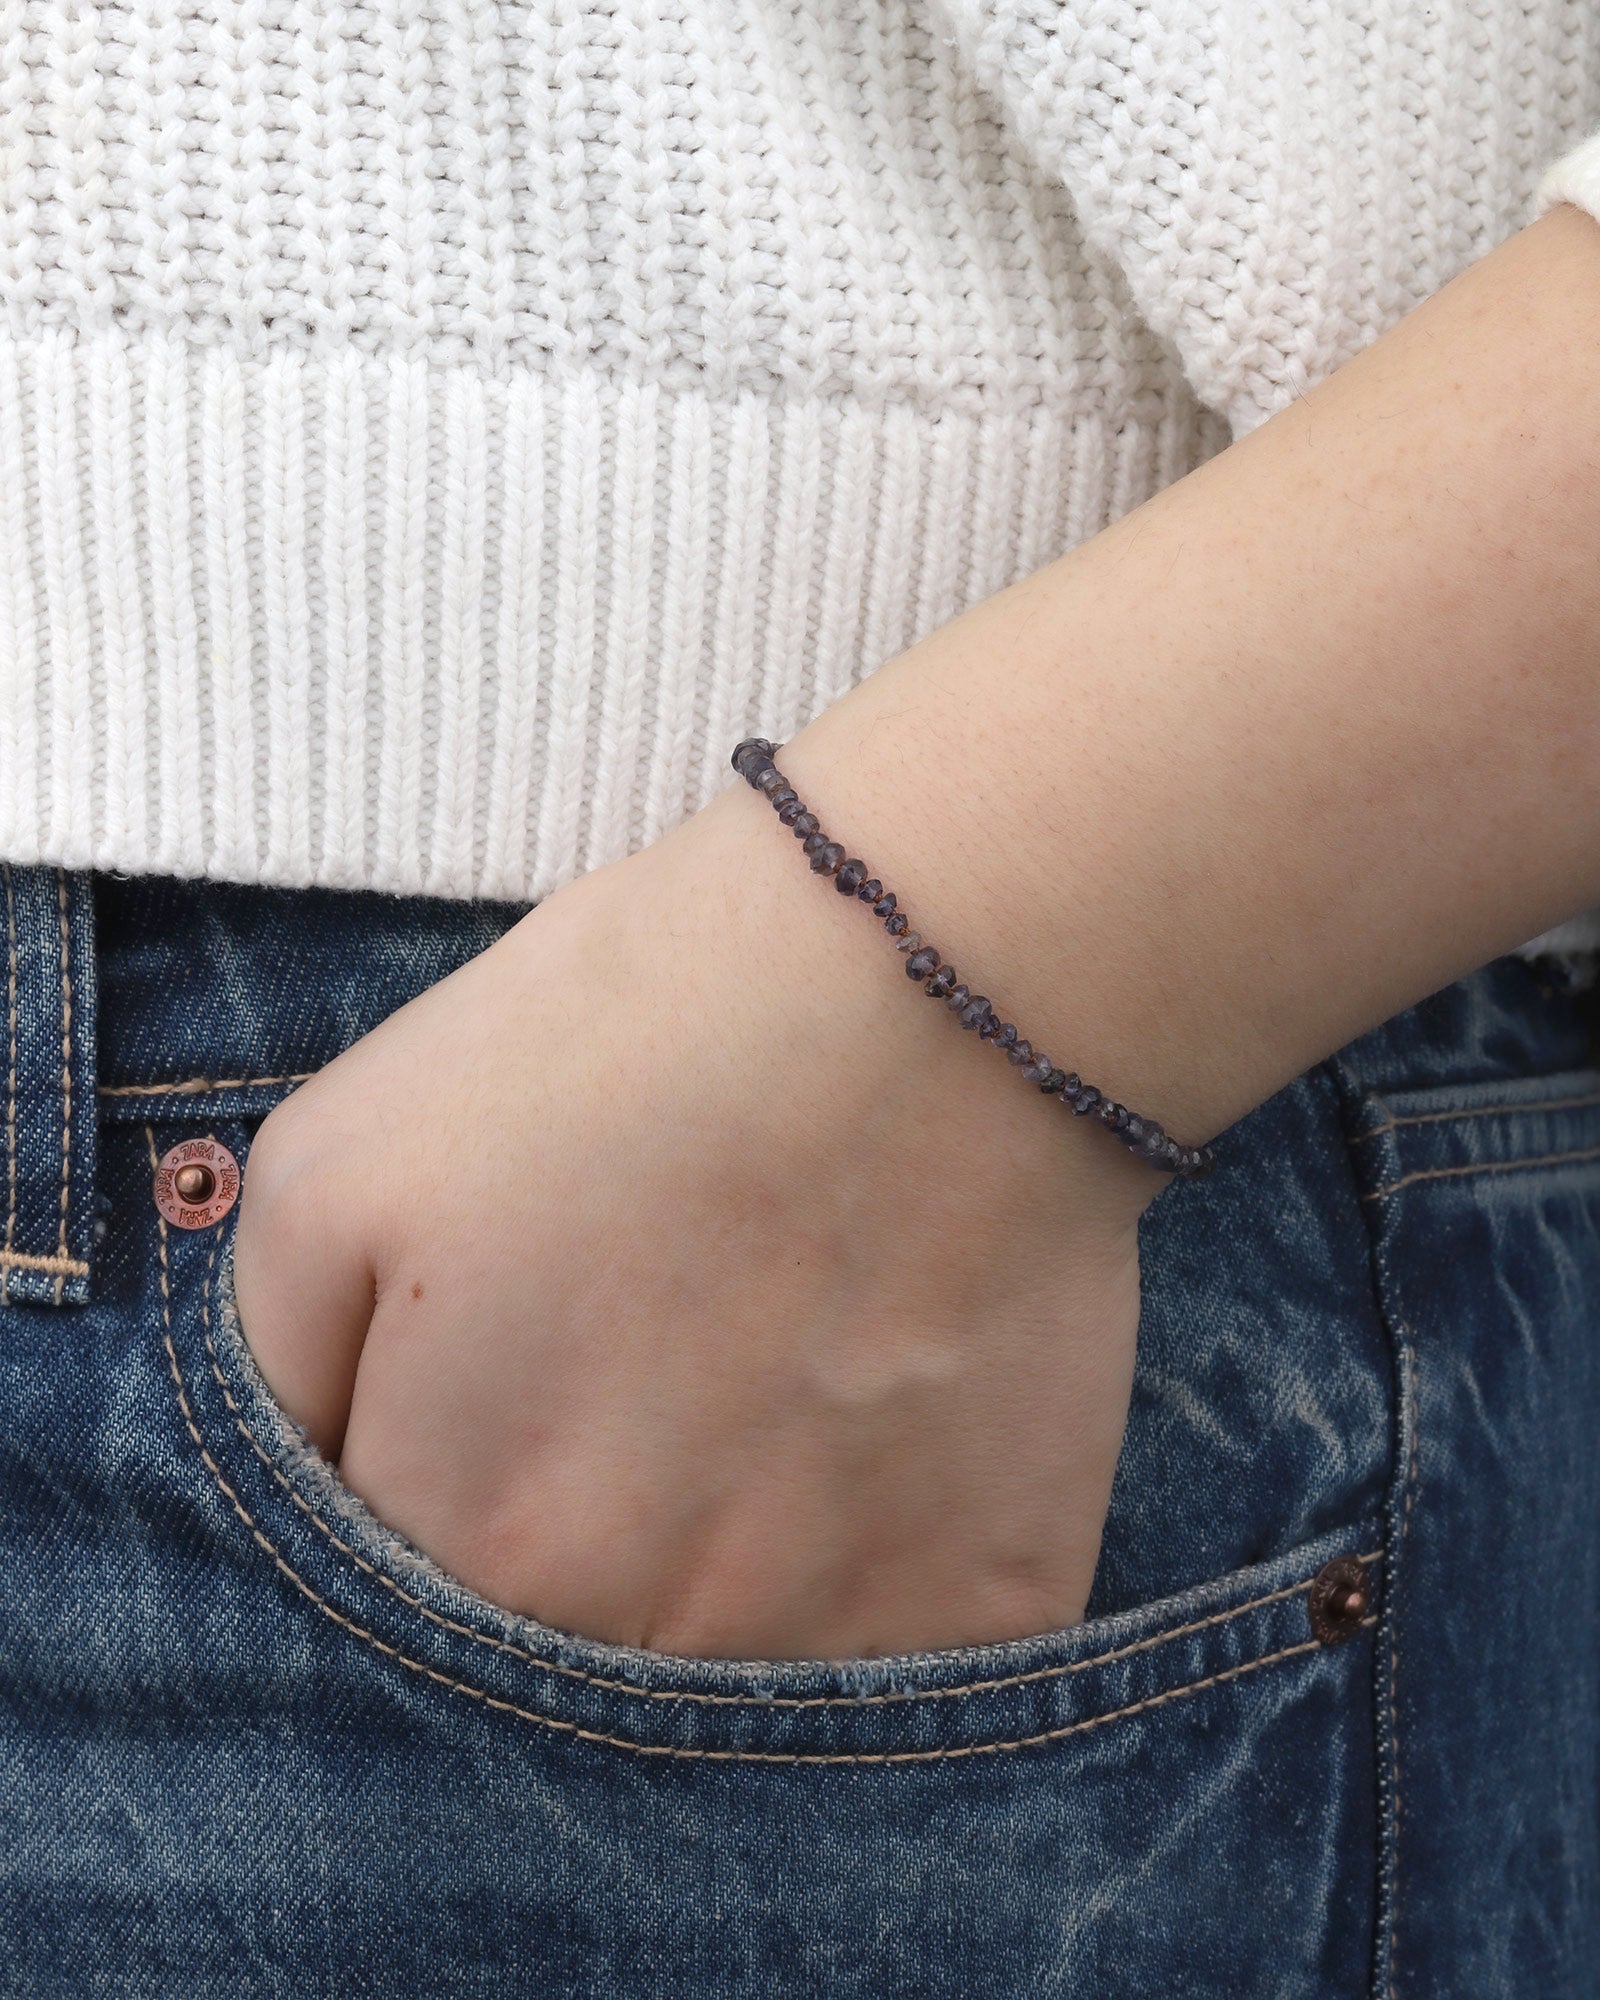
706,1291
1309,735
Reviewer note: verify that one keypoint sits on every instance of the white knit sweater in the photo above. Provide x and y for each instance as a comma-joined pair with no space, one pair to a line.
432,431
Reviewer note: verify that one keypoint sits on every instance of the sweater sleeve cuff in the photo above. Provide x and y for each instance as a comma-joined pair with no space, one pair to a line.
1574,178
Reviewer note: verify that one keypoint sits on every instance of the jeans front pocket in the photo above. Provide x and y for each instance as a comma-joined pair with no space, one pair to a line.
1177,1797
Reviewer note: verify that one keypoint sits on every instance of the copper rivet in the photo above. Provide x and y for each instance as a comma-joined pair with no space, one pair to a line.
1338,1600
196,1183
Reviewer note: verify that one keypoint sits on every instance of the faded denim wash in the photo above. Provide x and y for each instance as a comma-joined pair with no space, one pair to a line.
251,1744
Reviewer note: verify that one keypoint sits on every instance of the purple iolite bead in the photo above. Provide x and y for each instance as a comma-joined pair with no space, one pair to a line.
755,760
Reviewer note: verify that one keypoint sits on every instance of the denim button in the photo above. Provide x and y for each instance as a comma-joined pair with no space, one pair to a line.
196,1183
1339,1599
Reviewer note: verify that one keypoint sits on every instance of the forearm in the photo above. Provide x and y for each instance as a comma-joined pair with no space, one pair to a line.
833,1331
1307,736
700,1288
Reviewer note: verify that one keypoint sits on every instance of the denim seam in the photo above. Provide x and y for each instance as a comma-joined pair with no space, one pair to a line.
195,1086
1392,1124
1481,1167
603,1738
1412,1466
1385,1658
66,1075
11,1091
25,1260
1401,1500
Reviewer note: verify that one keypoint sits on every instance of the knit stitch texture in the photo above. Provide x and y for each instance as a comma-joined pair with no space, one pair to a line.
432,431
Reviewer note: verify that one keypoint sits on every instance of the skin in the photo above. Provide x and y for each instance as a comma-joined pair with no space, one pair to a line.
703,1292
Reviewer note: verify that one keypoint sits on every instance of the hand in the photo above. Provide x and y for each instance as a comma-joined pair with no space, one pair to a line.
674,1275
671,1274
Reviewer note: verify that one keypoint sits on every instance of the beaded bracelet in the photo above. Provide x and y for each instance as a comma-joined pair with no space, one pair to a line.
754,761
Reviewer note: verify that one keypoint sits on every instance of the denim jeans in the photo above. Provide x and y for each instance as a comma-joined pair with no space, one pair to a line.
253,1744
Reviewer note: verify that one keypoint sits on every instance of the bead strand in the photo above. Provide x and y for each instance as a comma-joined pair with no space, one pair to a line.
754,760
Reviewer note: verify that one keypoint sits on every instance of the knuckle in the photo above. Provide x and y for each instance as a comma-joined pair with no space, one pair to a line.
282,1174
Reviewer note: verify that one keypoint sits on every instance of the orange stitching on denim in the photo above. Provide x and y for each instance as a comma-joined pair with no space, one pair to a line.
66,1074
22,1260
1481,1167
695,1695
600,1737
11,1087
195,1086
1392,1124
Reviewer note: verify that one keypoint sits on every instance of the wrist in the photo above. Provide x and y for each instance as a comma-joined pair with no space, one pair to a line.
1050,904
819,1049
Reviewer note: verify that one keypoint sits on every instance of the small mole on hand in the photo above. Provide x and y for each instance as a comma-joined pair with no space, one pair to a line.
416,1291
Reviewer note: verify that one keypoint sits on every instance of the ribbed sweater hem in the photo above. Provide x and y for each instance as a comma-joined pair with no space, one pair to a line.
363,620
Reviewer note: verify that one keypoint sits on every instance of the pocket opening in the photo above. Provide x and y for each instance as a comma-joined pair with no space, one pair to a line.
900,1709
